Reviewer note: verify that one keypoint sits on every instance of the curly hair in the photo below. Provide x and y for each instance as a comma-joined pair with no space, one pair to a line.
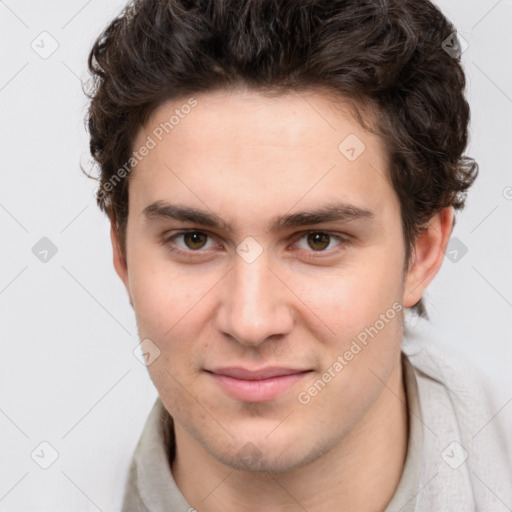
387,54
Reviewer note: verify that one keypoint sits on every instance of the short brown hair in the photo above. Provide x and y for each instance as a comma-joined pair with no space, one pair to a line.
390,54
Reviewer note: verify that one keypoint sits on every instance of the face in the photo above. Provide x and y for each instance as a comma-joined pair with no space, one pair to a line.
265,261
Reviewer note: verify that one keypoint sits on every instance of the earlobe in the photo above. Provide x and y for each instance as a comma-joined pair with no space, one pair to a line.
428,255
120,264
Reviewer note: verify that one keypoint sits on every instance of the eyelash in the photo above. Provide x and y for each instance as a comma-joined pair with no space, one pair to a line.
343,241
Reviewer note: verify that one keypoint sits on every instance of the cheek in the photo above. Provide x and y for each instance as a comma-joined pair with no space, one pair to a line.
170,307
169,316
346,299
162,295
366,314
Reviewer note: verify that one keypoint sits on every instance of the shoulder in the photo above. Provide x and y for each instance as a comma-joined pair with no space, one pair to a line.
466,439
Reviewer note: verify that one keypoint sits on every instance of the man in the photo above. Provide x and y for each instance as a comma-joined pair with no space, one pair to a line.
281,180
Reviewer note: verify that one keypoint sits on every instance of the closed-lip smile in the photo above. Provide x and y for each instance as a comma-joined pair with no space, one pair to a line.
256,385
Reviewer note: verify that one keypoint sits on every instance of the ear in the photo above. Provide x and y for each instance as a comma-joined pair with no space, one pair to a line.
428,255
120,264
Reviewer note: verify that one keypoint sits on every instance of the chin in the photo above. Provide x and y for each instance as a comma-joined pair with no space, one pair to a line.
250,457
259,451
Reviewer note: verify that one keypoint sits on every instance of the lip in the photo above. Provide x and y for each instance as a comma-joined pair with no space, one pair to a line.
256,385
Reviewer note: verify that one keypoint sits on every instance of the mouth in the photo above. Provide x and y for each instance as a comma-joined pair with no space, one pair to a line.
256,385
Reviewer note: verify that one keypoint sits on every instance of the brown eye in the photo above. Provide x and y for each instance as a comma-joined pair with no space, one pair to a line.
318,241
195,239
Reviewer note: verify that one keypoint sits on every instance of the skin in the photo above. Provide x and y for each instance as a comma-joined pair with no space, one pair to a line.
249,158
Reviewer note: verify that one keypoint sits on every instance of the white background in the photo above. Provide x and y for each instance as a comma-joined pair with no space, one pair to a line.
68,374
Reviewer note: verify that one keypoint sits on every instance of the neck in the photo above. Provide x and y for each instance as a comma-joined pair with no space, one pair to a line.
360,473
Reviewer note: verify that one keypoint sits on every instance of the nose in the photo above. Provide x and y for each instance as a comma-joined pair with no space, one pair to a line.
254,303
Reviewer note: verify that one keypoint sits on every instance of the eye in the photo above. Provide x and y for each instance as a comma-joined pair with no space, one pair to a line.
320,241
192,241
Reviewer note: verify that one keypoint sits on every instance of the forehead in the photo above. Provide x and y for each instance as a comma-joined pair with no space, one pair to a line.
258,153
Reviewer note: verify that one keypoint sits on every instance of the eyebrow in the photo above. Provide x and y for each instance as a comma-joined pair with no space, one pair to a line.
339,211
